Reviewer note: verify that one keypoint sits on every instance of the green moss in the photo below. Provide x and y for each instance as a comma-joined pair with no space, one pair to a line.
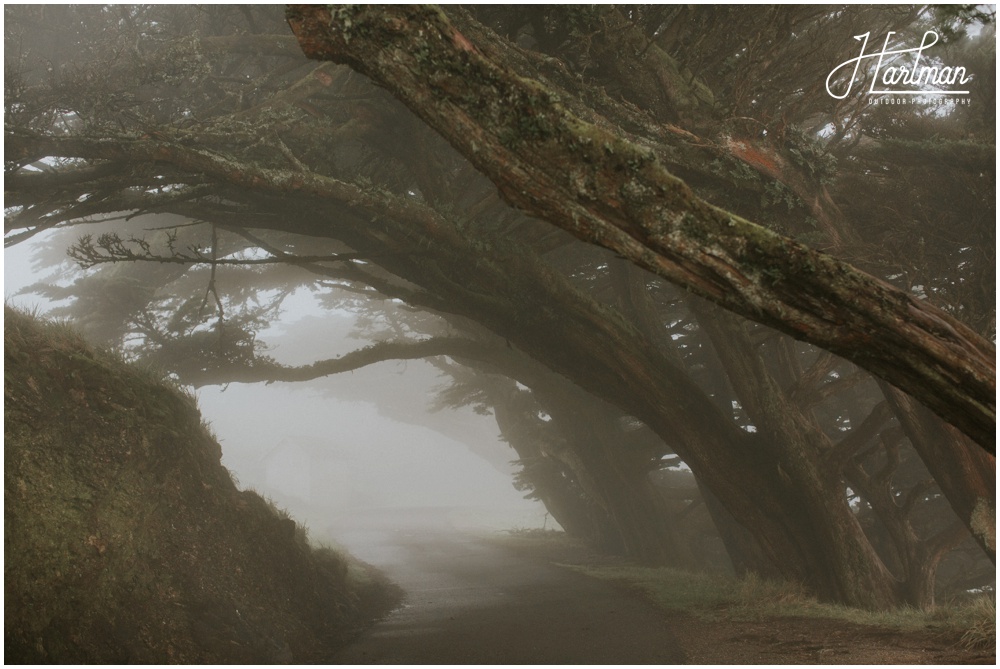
693,228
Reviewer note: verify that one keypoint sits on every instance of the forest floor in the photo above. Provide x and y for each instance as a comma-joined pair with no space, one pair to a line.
724,633
801,640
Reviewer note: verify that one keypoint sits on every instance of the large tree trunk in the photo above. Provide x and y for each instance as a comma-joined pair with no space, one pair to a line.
742,547
607,190
810,535
966,475
811,503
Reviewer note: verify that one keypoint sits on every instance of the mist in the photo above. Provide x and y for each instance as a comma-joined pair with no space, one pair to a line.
500,334
360,445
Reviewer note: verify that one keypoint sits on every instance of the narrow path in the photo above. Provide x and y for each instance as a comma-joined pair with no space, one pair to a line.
472,601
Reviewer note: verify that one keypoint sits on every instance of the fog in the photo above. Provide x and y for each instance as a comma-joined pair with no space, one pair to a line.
357,445
719,303
327,459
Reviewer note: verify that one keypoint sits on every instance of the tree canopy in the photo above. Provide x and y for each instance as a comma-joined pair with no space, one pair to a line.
444,195
611,190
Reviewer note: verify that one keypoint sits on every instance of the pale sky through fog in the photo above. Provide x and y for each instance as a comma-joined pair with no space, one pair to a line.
322,455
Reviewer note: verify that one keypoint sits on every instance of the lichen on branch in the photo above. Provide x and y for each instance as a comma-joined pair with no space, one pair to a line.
607,190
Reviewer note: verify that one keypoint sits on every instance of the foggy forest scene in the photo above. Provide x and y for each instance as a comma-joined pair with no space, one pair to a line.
488,334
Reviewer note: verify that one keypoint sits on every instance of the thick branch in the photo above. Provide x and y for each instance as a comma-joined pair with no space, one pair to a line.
859,436
270,372
110,248
611,192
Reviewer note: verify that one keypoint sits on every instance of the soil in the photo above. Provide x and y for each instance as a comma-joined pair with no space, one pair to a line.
815,641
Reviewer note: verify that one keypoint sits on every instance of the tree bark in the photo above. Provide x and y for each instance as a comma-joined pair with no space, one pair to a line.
966,475
813,507
744,552
606,190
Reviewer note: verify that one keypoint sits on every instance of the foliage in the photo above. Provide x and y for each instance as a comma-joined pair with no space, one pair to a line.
980,623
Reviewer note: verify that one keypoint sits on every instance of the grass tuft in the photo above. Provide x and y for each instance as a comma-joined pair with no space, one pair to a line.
981,616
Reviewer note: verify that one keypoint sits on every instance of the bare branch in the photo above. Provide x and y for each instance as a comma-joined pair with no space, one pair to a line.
269,371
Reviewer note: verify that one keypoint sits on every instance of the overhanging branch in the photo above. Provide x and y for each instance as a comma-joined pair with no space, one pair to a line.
110,248
270,372
611,192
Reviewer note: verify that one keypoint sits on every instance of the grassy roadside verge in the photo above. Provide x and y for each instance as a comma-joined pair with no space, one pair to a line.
724,620
712,597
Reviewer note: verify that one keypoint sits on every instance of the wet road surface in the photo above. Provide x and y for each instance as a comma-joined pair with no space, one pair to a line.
474,601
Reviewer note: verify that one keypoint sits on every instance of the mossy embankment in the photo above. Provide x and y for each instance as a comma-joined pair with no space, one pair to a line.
125,538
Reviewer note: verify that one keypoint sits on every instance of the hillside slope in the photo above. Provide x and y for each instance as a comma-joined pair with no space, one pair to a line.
126,540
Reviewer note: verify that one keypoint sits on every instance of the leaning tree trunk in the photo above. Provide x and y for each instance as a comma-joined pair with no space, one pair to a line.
966,475
805,527
794,454
608,190
744,552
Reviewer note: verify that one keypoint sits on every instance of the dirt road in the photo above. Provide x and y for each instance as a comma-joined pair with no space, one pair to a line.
470,600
